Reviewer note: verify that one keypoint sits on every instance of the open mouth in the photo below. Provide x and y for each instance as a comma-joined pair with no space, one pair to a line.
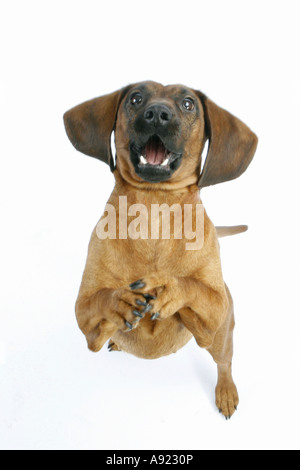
155,154
154,162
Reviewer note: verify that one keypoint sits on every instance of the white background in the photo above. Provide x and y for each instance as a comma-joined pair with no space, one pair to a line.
54,393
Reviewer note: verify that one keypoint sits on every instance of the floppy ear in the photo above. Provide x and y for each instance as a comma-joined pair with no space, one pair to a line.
89,125
232,145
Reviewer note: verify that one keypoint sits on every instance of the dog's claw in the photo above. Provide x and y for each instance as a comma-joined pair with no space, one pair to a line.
137,285
137,313
155,316
129,325
147,308
149,297
141,303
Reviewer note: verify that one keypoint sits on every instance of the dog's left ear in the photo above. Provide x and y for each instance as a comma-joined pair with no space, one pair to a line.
232,145
89,125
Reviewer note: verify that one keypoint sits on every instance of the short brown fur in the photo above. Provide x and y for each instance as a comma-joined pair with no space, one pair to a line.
190,294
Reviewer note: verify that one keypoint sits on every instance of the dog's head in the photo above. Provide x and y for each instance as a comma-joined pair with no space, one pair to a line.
160,133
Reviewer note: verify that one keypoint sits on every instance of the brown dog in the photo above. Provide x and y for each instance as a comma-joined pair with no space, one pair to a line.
150,295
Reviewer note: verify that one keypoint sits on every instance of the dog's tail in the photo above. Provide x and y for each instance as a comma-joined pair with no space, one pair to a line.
229,231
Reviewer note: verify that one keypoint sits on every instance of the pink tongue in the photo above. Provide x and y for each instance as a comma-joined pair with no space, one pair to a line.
155,152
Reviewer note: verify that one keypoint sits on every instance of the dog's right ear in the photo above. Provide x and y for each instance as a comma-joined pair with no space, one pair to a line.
89,125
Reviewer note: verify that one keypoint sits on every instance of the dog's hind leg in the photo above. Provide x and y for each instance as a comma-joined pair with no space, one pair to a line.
221,350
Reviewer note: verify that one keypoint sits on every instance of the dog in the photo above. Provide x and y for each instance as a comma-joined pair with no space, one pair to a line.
150,296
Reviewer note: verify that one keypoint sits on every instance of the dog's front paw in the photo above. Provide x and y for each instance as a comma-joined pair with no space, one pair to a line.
129,308
227,398
168,298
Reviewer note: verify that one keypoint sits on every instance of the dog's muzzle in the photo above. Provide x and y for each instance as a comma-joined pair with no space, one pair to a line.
153,151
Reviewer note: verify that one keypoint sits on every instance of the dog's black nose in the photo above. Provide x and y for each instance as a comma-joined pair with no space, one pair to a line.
158,114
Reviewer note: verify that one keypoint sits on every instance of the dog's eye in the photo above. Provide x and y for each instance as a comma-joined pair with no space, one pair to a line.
188,104
136,98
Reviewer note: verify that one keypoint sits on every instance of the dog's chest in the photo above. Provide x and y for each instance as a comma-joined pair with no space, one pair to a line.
133,259
149,236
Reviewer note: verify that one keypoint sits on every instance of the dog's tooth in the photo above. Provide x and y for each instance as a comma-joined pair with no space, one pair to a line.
165,163
143,160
